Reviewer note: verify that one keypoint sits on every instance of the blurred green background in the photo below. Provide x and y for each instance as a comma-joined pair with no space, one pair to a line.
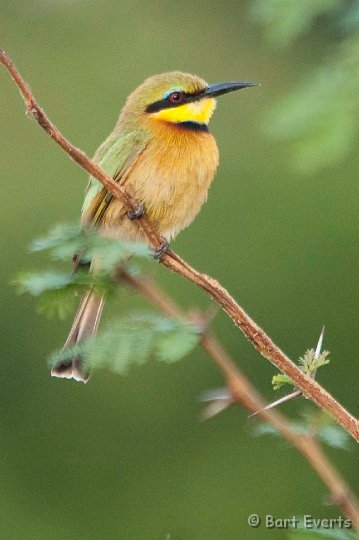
125,456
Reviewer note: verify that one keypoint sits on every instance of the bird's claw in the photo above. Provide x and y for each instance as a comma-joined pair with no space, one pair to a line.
137,213
160,251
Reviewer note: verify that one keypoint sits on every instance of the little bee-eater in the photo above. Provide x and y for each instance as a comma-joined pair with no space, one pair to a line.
161,152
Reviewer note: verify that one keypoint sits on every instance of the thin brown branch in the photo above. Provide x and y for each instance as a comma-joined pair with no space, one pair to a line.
244,393
264,345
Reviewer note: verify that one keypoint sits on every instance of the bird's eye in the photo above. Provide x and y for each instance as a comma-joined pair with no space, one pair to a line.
176,97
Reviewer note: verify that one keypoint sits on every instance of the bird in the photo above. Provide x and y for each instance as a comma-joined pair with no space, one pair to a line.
162,153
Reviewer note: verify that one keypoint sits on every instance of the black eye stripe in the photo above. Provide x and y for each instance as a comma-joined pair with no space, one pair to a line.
167,104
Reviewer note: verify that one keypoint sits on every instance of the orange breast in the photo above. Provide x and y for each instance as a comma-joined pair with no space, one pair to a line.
174,175
171,178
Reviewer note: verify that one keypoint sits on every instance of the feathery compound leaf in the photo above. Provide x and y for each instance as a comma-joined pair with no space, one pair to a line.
309,363
38,283
57,290
136,338
66,240
57,287
63,241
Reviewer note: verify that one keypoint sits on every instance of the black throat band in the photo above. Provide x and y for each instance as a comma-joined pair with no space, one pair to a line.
192,126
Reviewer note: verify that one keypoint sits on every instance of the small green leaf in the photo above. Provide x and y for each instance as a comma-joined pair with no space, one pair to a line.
280,380
57,303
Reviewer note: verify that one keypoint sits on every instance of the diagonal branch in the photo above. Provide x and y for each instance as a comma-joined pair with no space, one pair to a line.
259,339
243,393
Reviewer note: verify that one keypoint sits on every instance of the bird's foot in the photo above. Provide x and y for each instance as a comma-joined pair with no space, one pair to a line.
160,251
137,213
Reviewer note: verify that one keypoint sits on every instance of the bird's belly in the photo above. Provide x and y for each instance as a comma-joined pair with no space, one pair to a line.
172,182
173,200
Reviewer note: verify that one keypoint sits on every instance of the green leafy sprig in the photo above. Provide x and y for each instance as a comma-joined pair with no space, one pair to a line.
132,340
56,288
308,363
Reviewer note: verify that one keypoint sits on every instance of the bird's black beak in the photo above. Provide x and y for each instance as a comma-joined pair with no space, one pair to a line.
223,88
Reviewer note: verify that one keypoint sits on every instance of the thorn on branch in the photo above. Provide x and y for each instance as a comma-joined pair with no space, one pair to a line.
296,393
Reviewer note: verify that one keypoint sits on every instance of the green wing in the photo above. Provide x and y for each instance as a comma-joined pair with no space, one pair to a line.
116,156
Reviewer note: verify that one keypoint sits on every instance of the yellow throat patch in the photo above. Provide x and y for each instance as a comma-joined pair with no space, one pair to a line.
196,111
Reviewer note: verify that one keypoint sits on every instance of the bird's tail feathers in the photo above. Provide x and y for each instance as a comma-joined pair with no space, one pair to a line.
84,327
